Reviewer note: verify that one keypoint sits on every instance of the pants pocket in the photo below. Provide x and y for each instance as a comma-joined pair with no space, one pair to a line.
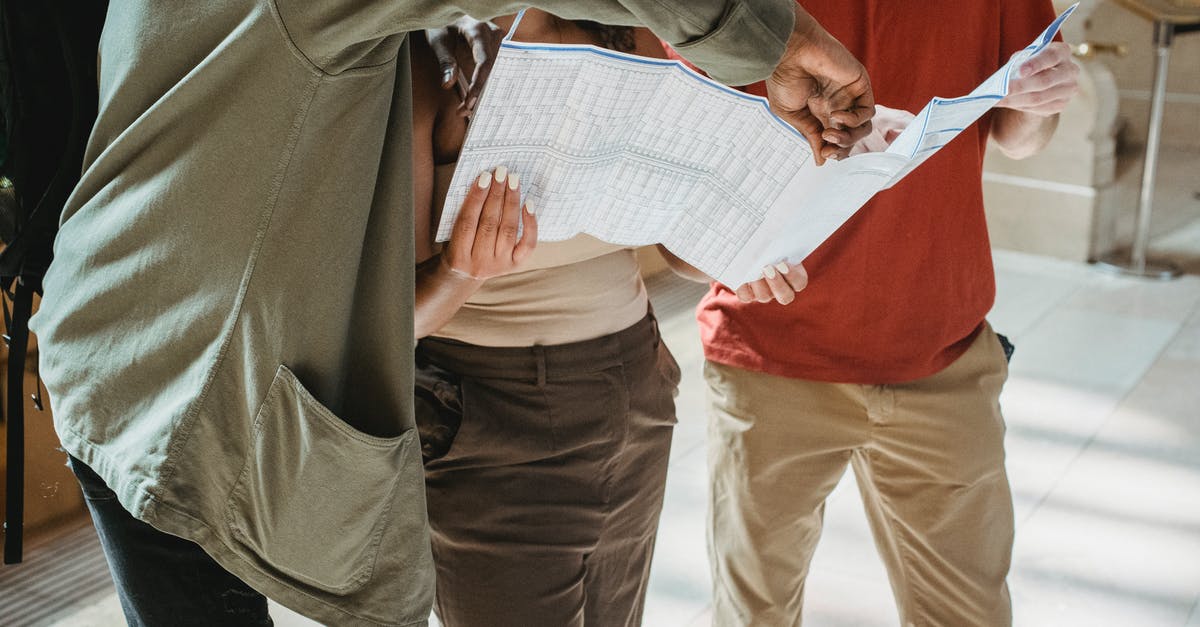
315,495
439,408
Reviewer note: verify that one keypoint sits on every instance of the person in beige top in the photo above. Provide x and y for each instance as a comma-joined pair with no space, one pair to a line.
227,327
546,467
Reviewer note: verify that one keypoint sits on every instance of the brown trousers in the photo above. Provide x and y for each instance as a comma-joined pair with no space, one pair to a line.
544,508
929,459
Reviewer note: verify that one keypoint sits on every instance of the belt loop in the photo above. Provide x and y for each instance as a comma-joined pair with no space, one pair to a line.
539,354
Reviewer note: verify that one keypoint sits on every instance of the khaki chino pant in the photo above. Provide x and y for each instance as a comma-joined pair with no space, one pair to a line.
929,459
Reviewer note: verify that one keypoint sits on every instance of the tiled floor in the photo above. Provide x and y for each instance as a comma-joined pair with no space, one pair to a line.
1103,408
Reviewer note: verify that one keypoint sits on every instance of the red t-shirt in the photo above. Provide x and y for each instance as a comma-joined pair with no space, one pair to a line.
898,292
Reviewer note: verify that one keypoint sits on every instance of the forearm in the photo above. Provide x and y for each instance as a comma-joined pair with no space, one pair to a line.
1020,134
440,293
713,34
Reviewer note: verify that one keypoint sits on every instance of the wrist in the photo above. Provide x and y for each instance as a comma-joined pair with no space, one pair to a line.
804,31
449,274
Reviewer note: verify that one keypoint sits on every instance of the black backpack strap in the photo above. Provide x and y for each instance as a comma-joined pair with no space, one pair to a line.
14,495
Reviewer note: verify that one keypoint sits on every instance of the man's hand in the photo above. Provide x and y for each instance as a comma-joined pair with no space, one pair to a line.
819,85
482,39
1045,82
886,126
1025,120
781,282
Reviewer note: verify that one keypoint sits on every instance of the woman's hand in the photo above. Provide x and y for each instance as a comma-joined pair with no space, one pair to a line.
781,282
482,39
485,243
487,240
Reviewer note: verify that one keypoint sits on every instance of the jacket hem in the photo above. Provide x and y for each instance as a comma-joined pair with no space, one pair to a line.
138,500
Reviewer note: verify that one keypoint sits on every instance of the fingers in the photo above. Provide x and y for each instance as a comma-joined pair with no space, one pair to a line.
1064,74
510,222
467,221
491,215
485,43
797,276
1054,54
781,282
859,114
831,122
528,236
1047,82
811,128
487,239
839,141
1043,102
776,281
442,45
785,280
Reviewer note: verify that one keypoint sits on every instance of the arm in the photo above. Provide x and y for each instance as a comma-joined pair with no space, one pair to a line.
485,243
336,35
815,83
1025,121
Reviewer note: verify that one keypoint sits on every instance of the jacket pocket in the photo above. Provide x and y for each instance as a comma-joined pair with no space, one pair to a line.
315,495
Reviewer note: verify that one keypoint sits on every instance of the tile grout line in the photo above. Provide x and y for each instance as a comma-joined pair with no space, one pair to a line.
1179,328
1193,616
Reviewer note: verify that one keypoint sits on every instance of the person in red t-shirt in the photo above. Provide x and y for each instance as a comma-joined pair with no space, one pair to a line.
885,362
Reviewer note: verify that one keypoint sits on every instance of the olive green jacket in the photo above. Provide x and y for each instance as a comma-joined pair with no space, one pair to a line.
227,329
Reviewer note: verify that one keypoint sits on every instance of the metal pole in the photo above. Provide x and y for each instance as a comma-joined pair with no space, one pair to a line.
1164,34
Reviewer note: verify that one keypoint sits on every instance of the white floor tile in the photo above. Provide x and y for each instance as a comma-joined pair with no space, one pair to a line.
848,601
1150,300
1096,351
1118,537
847,548
1161,418
680,587
1025,297
1049,426
1186,345
1194,621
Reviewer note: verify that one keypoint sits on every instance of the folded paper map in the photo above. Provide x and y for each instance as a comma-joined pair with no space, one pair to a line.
637,151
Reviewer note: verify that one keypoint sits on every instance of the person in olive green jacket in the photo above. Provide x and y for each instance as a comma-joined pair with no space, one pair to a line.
227,328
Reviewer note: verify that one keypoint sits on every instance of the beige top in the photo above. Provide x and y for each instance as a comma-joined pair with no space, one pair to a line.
567,291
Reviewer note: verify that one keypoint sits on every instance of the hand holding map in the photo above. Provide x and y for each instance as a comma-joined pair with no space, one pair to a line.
637,151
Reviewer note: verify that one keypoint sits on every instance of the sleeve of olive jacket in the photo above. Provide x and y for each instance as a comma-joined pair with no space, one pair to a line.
737,42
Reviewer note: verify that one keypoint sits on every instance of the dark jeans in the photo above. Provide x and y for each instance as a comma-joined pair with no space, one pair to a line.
163,579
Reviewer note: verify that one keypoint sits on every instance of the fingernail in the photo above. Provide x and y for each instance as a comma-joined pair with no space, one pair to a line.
501,174
769,272
514,181
447,76
782,267
485,179
528,208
